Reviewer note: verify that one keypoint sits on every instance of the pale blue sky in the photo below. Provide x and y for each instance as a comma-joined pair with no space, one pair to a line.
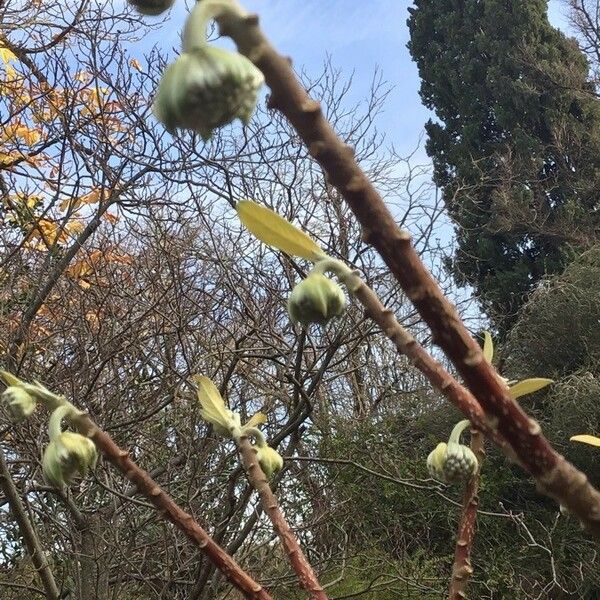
359,35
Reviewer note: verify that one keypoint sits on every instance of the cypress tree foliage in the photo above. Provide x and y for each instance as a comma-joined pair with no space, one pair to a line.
516,147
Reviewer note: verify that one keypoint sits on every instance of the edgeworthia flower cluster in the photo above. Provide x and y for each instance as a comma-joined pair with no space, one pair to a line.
68,454
151,7
206,87
227,423
454,462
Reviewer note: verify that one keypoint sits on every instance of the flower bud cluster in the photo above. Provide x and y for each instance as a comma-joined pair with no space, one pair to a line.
20,402
452,462
151,7
316,299
206,87
68,454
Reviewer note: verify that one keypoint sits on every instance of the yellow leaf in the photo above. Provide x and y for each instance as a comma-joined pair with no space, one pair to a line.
275,231
93,197
212,406
75,227
592,440
488,346
528,386
135,63
257,419
19,130
7,55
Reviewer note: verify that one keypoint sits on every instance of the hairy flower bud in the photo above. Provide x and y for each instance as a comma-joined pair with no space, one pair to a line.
206,88
66,456
452,462
270,460
317,299
151,7
20,403
460,463
435,461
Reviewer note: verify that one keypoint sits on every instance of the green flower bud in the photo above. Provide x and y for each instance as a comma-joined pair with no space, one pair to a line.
452,462
270,460
20,403
68,455
151,7
460,463
435,461
317,299
205,88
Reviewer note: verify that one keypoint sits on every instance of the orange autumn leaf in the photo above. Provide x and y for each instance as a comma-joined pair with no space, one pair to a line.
111,218
93,197
135,63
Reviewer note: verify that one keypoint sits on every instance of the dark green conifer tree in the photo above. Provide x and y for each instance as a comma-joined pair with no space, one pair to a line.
516,142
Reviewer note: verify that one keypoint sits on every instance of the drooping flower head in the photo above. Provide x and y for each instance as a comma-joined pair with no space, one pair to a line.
68,454
20,402
206,87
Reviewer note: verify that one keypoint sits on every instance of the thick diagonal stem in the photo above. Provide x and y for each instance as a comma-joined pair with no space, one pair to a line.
555,476
258,480
167,507
462,569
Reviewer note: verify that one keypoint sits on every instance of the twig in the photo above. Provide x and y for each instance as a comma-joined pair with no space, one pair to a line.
462,569
259,482
170,510
30,537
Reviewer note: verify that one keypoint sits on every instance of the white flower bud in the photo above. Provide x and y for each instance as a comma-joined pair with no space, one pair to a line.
206,88
316,299
20,403
435,461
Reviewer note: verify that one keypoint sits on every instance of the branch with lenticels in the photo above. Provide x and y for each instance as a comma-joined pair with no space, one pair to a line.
554,475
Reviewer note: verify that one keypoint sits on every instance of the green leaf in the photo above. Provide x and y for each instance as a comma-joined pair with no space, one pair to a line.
592,440
528,386
488,346
275,231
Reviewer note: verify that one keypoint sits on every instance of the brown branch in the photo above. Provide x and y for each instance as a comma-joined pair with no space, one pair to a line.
406,344
555,476
167,507
30,536
462,569
258,480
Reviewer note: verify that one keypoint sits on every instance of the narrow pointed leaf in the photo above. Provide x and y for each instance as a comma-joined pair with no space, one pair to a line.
208,394
9,378
592,440
528,386
257,419
275,231
488,346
